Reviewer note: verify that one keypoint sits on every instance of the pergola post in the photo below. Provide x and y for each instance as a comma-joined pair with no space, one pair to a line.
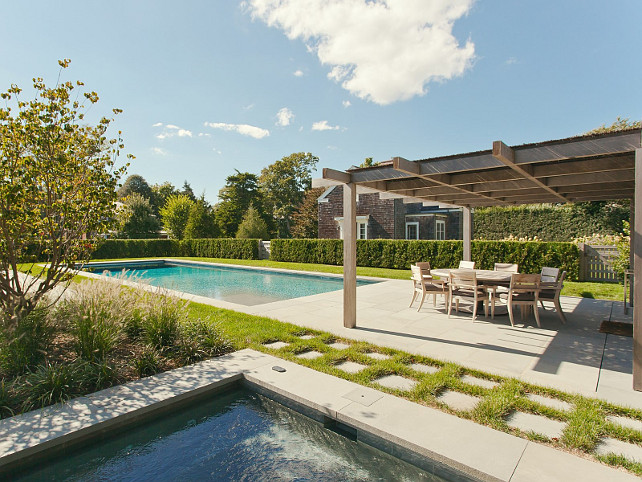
636,232
349,255
631,247
468,229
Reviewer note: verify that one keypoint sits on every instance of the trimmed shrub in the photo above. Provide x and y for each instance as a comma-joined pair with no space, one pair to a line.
531,256
161,248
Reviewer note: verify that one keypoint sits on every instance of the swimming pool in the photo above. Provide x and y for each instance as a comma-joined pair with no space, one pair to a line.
244,286
233,435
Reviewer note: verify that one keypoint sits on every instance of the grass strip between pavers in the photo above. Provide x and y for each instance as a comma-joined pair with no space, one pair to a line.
586,421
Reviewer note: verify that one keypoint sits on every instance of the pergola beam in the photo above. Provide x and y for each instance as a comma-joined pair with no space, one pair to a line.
506,155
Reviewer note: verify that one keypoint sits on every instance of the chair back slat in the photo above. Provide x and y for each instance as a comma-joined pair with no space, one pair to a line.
463,279
466,264
508,267
550,275
524,282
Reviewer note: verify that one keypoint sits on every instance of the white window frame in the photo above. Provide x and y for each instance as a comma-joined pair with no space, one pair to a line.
440,229
416,225
362,221
362,225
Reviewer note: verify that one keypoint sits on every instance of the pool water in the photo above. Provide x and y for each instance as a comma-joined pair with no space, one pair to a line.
236,435
237,285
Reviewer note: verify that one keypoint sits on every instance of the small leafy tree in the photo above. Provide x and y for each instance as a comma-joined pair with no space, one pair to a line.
252,226
283,184
160,194
57,189
135,184
175,214
201,222
305,220
136,218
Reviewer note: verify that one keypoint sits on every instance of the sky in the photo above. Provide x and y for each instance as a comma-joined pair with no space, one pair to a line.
210,86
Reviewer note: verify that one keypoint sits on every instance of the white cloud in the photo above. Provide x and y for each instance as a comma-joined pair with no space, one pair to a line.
346,103
511,60
204,134
298,73
159,151
171,130
244,129
283,117
380,50
248,107
324,126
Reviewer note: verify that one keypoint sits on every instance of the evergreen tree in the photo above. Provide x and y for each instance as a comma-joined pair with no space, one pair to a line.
305,220
240,191
201,222
252,226
136,218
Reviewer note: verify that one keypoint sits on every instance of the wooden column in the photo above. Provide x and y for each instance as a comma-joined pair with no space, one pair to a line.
636,232
468,230
631,247
349,255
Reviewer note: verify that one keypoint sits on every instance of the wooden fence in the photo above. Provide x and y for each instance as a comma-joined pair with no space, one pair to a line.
596,263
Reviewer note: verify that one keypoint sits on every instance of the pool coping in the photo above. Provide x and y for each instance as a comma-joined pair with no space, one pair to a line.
229,305
475,450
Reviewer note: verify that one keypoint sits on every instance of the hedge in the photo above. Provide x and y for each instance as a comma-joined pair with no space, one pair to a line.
531,256
204,248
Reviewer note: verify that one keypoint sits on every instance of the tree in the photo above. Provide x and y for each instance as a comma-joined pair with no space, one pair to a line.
201,222
240,191
135,184
160,195
57,189
305,220
283,184
188,191
369,162
619,125
136,218
252,226
175,214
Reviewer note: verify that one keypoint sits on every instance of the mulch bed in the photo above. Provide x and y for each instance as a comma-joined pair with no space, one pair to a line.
616,328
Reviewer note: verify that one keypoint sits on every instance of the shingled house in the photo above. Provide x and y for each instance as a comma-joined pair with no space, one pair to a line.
387,218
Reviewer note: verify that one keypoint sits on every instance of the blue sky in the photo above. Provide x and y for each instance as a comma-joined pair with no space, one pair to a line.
211,86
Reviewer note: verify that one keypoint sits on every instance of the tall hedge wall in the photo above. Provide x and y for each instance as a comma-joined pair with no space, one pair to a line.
379,253
549,223
205,248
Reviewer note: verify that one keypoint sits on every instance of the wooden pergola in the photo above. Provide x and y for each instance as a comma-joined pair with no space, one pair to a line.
584,168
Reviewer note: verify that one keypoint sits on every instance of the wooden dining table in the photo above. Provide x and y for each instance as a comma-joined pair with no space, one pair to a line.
486,277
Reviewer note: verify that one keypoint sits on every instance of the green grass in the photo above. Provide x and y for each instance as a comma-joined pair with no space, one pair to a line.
586,422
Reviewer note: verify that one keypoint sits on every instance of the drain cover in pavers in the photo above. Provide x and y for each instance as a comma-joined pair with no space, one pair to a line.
480,382
424,368
549,402
528,422
626,422
457,400
338,345
397,382
310,355
350,367
276,345
306,337
610,445
378,356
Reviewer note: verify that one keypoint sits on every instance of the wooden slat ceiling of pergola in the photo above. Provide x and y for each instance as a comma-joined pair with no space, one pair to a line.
585,168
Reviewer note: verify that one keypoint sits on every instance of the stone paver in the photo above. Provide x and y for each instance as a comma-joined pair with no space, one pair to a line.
337,345
610,445
397,382
306,337
310,355
350,367
528,422
424,368
480,382
378,356
550,402
276,345
457,400
626,422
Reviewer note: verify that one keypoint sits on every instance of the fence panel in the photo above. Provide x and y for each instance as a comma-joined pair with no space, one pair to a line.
596,263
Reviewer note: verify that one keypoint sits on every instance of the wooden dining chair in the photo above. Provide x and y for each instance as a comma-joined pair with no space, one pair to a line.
550,291
463,284
425,286
425,267
523,291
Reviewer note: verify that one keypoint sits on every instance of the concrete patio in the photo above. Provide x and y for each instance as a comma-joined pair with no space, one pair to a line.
574,357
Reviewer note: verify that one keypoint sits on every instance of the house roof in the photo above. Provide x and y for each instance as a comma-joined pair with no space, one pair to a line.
583,168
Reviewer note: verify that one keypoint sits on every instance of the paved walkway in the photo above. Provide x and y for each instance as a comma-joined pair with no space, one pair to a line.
574,357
